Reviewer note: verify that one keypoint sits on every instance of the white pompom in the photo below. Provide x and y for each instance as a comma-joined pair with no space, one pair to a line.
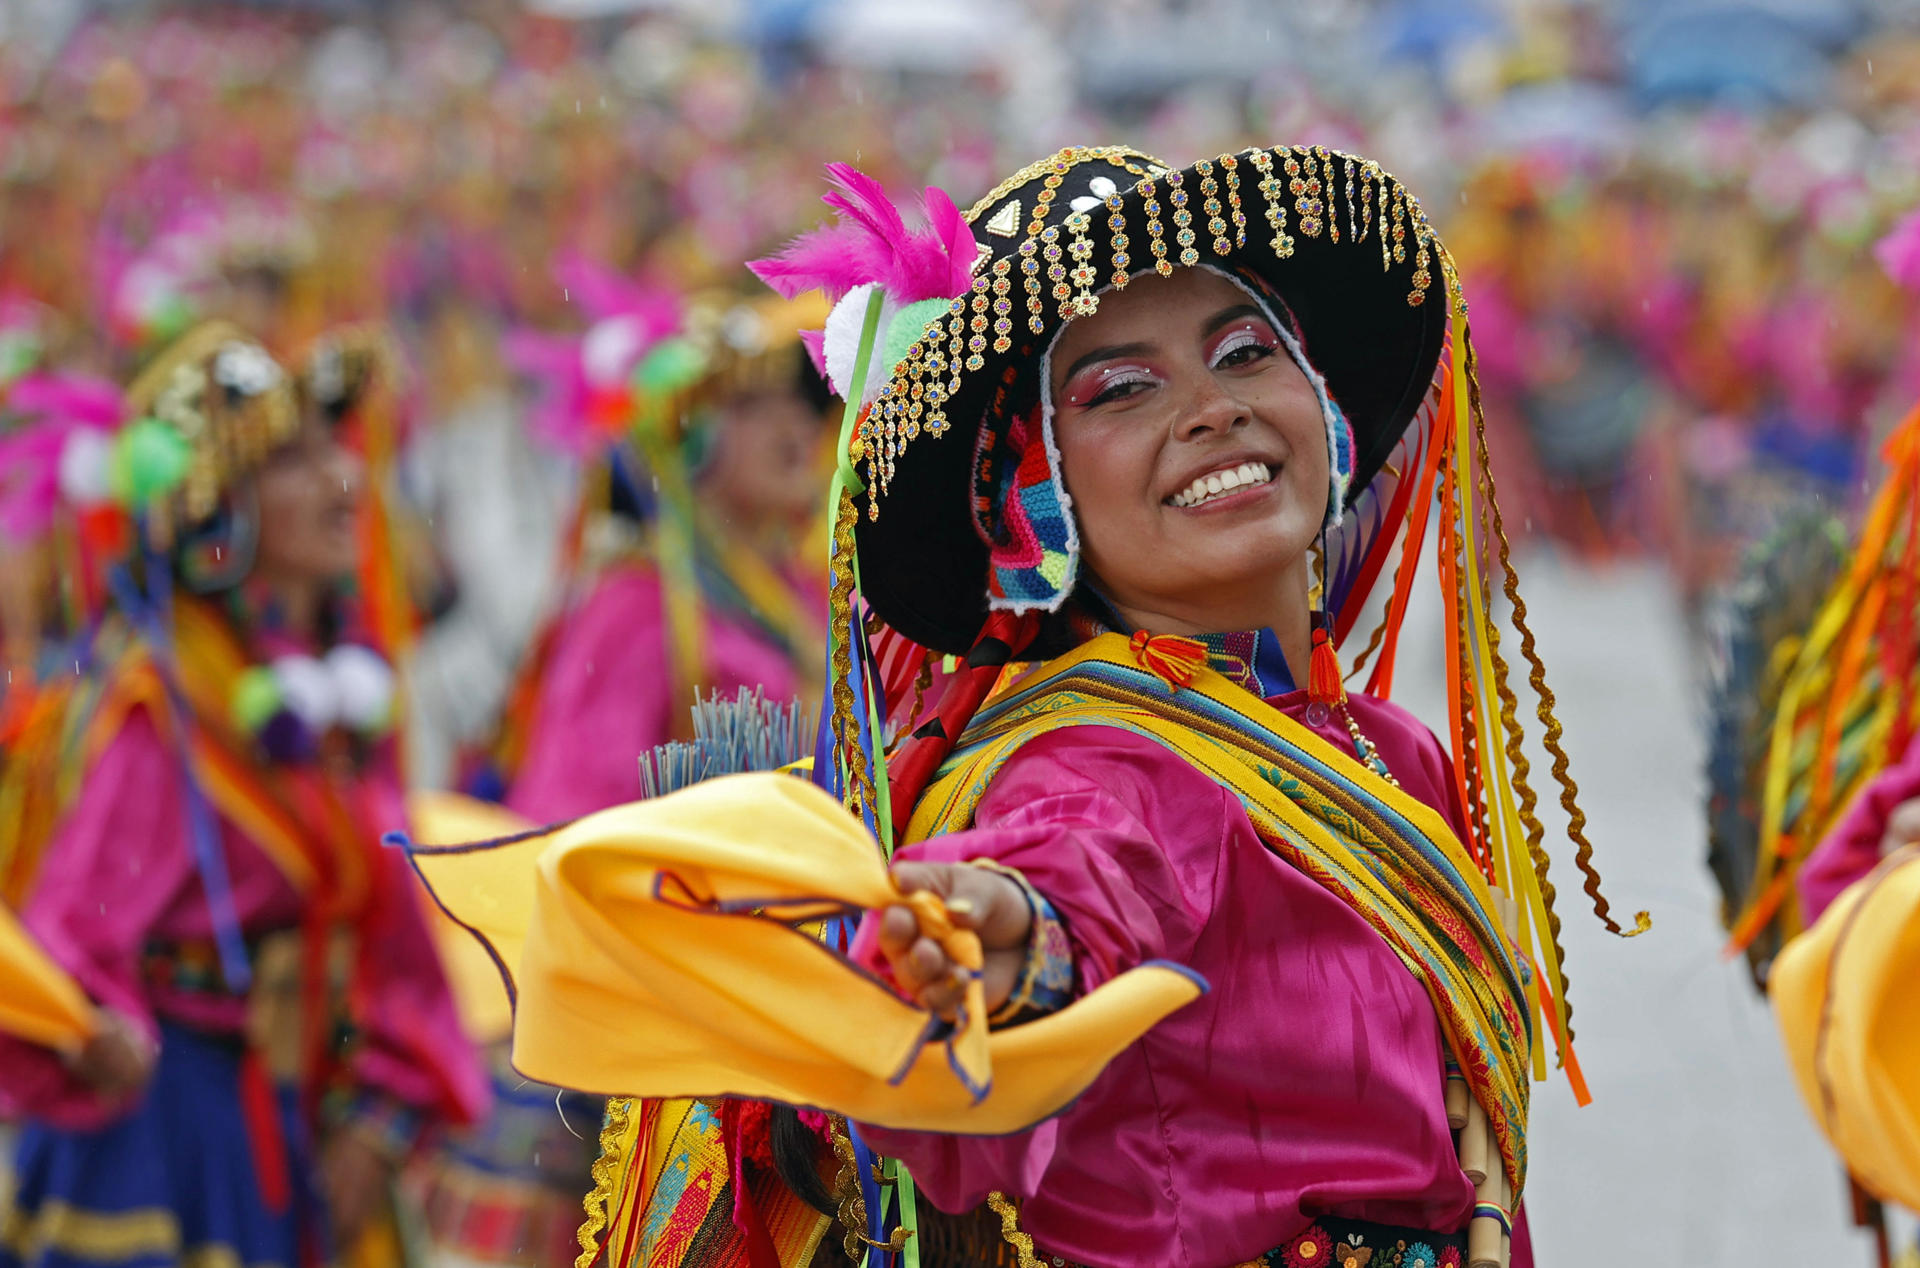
84,462
363,686
844,324
610,348
307,688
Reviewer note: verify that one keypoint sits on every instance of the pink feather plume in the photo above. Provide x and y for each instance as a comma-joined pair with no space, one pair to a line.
1899,252
552,362
66,399
815,342
29,480
872,244
48,408
602,293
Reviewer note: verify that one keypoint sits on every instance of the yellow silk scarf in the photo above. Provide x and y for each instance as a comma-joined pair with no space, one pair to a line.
653,951
39,1001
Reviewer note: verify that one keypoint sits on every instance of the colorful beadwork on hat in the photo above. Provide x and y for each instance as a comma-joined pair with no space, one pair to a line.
1025,513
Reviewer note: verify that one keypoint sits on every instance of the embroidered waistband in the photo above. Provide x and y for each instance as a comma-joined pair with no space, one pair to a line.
1333,1242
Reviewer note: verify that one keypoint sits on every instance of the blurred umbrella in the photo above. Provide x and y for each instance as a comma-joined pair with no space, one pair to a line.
1428,30
1743,55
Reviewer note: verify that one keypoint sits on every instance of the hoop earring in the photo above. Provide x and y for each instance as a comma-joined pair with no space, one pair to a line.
218,553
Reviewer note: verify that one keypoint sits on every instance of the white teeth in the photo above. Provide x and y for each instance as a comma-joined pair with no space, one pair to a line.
1219,483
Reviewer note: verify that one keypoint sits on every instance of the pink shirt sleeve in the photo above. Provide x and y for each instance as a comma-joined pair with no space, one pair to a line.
114,869
1313,1033
605,701
1852,849
1068,812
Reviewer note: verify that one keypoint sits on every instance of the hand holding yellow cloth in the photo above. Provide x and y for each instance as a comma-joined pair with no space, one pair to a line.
1844,992
39,1001
652,952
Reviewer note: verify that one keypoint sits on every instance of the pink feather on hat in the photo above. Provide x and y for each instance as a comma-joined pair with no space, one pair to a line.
1899,251
50,407
871,244
568,395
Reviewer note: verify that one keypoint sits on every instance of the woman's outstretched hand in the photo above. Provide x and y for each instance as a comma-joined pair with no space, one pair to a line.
979,899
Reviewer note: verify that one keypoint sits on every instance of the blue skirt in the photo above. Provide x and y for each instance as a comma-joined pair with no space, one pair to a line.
171,1185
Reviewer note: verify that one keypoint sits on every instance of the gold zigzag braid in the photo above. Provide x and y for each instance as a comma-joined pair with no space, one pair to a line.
1537,677
1469,730
860,794
921,683
605,1175
1521,770
1010,1230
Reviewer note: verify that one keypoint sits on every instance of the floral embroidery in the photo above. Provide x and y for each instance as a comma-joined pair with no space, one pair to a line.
1450,1257
1311,1249
1419,1255
1348,1256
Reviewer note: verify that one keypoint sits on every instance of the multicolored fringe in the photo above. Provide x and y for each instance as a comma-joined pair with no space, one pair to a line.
1443,461
1846,705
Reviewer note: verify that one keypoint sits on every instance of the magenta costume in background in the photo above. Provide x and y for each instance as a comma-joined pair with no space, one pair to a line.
608,694
181,1168
1852,849
1307,1083
118,897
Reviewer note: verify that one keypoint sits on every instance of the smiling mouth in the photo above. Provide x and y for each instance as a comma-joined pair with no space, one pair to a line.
1219,484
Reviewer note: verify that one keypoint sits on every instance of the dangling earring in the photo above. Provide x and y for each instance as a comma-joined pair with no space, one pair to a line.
1326,683
218,553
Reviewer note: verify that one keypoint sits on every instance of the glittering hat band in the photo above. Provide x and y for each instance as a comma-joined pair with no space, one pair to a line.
1331,237
1058,231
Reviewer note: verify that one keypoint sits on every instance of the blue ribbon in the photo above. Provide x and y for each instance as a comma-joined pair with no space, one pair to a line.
153,617
864,1163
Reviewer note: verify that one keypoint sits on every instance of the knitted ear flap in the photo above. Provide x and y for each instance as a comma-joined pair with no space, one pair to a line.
218,553
1033,546
1003,637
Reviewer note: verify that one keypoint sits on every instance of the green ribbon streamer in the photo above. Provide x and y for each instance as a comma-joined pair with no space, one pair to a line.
846,479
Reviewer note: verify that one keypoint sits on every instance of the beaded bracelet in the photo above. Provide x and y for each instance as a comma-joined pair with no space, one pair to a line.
1045,984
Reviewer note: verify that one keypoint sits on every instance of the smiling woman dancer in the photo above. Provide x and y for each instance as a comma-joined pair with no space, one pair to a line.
1173,486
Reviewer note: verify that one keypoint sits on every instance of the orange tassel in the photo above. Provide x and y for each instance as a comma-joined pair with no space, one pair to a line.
1325,684
1169,657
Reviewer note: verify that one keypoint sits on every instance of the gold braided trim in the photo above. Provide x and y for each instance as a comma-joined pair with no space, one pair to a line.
1040,167
1010,1229
1537,677
860,795
223,443
108,1237
1521,769
606,1174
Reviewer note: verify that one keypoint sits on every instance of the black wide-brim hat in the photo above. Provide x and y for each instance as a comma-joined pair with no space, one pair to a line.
1343,244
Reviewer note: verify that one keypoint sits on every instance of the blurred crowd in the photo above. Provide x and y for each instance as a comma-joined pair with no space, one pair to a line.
1670,261
1687,233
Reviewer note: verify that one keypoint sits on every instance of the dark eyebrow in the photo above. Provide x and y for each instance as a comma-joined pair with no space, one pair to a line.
1224,317
1227,316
